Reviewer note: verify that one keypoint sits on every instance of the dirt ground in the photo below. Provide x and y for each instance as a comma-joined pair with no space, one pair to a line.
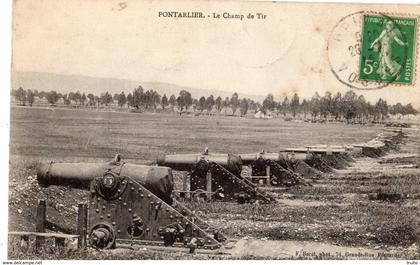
338,216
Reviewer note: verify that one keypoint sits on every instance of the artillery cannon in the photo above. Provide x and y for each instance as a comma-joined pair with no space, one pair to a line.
131,204
325,157
216,175
287,167
277,166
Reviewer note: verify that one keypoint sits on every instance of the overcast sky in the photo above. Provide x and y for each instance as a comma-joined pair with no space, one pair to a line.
283,54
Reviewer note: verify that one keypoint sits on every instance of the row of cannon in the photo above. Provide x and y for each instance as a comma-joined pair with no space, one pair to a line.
132,203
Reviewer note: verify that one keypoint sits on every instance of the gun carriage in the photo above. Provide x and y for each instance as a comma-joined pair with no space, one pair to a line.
131,204
218,176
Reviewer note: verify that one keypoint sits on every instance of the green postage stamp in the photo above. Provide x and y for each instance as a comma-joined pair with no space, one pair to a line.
388,49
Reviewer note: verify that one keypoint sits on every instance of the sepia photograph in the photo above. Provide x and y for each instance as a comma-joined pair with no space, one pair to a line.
213,130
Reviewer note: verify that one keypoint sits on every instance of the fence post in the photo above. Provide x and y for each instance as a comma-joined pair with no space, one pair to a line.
40,223
82,225
185,188
208,185
189,195
267,174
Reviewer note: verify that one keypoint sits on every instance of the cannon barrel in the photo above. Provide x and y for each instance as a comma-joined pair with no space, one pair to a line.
158,180
315,150
330,148
250,158
188,161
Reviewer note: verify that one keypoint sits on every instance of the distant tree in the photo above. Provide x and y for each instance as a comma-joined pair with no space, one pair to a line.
154,99
138,97
315,104
219,104
194,104
258,105
78,97
180,104
20,95
294,104
349,105
384,109
91,99
252,105
285,106
397,109
361,108
244,107
381,109
209,103
121,99
42,94
268,104
30,97
226,103
106,98
147,99
234,102
304,106
392,109
187,98
83,99
130,100
337,106
409,110
72,97
52,97
371,110
325,105
66,100
97,101
278,108
201,104
164,101
184,100
172,101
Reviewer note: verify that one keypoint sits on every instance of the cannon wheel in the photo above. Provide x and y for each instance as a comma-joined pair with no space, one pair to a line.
107,237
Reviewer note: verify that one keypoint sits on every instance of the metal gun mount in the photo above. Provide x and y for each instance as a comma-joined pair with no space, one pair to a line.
218,176
131,204
278,167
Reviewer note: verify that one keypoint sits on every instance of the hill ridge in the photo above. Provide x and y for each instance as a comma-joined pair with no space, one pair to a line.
64,83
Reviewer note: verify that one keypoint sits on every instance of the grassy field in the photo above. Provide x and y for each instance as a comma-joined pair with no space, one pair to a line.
63,134
335,209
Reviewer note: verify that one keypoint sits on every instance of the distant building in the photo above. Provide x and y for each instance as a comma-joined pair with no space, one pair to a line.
261,115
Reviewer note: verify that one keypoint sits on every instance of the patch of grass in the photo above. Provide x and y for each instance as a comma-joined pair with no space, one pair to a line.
401,183
349,224
66,133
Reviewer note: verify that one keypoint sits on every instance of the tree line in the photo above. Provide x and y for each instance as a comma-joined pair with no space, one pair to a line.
338,107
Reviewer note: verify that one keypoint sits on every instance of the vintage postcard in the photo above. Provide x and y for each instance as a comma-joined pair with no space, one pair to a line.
214,130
